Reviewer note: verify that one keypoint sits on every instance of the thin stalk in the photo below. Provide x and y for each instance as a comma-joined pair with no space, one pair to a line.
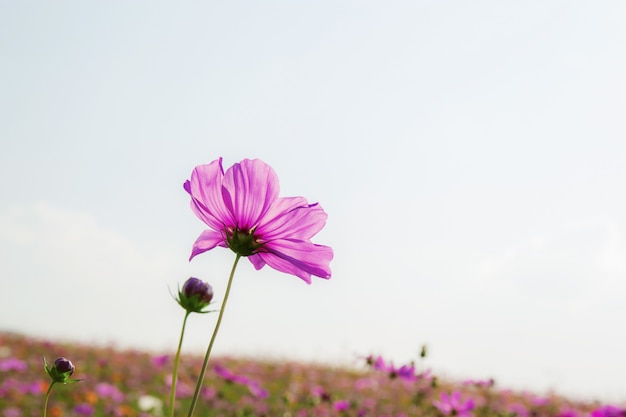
45,401
176,362
194,400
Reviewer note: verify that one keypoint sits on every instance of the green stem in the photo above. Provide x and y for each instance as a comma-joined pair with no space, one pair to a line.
176,362
192,407
45,401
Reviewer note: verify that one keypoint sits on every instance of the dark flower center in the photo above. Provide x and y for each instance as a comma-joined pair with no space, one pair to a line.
242,241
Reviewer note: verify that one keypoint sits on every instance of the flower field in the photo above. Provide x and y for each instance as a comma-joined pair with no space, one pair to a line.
134,383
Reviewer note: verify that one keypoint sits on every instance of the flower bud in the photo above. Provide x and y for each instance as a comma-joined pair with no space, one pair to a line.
423,351
195,295
60,370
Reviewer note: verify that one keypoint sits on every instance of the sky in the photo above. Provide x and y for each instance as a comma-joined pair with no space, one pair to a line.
470,157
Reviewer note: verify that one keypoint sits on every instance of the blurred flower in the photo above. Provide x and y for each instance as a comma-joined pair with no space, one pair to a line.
31,388
195,295
518,409
160,361
13,364
341,405
451,405
209,393
84,409
106,390
480,383
320,393
12,412
256,390
405,372
377,363
253,386
568,412
183,390
150,403
244,213
229,376
609,411
539,401
60,370
364,383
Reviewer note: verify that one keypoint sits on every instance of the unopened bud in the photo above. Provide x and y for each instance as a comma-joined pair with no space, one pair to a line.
195,295
60,370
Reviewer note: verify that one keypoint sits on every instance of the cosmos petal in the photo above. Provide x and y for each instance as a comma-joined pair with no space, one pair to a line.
301,223
250,187
256,261
205,188
298,258
207,240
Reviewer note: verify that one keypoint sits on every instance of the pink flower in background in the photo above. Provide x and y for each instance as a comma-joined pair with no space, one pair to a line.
106,390
31,388
568,412
254,387
244,213
341,405
84,409
405,372
608,411
12,412
229,376
451,404
160,361
483,383
13,364
256,390
518,409
209,393
377,363
321,393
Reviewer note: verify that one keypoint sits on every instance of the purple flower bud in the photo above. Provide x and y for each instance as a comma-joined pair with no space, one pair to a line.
60,370
64,366
195,295
194,286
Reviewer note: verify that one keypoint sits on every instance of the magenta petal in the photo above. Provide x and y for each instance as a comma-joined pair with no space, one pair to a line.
301,223
205,188
250,187
207,241
281,206
256,261
298,258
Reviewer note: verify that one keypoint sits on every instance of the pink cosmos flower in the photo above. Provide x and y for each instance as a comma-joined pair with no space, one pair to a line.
160,361
451,405
106,390
608,411
13,364
244,213
255,389
341,405
405,372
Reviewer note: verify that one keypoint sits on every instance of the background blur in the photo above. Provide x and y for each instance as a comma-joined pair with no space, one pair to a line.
470,156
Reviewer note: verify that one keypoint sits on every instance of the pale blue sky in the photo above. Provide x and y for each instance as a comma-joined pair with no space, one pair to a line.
470,156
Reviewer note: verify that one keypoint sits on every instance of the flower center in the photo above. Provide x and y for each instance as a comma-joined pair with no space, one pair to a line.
242,242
